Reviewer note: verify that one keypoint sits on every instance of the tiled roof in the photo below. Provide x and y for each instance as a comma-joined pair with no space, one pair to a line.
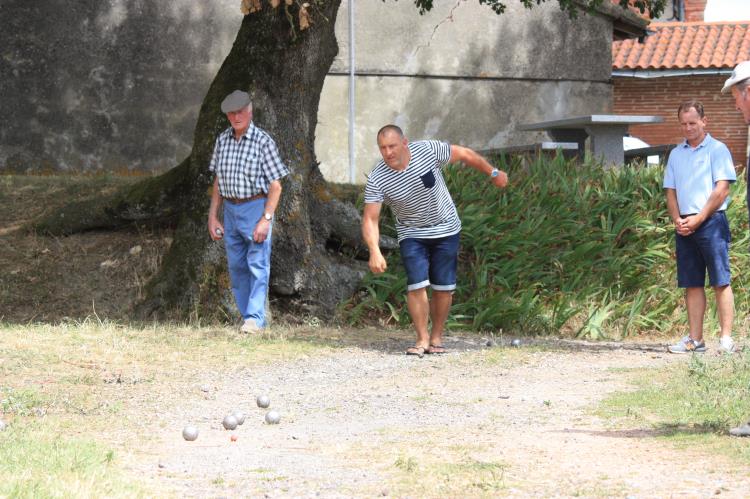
679,45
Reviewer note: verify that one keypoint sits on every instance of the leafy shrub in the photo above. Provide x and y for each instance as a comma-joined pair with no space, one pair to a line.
567,248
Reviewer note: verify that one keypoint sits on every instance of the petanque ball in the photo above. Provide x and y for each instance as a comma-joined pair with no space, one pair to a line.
272,417
190,433
239,416
3,425
230,422
516,343
263,401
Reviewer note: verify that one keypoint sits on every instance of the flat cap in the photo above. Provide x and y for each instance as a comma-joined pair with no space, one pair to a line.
235,101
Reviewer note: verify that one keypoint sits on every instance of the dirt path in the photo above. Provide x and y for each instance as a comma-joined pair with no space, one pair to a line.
475,422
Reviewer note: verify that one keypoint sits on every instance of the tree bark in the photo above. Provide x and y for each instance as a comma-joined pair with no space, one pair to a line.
283,69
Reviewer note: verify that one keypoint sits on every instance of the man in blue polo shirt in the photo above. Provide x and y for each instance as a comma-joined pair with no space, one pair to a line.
696,182
409,180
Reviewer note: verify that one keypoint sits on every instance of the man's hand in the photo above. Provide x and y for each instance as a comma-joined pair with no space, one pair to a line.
261,230
501,180
689,225
377,263
215,229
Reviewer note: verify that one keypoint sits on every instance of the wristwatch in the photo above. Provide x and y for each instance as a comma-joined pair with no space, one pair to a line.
268,216
495,172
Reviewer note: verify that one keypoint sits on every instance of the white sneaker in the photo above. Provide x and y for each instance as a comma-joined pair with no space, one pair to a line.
726,344
250,327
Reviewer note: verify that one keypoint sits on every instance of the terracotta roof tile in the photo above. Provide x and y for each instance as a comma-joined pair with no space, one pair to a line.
680,45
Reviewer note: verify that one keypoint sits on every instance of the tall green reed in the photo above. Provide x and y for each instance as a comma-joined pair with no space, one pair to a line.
567,248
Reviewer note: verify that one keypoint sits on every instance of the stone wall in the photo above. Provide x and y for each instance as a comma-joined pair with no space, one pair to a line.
460,74
106,84
117,84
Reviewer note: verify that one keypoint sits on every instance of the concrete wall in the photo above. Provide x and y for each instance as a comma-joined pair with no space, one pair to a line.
106,84
117,84
461,74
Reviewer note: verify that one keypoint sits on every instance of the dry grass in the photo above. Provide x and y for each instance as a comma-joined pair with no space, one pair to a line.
49,279
75,395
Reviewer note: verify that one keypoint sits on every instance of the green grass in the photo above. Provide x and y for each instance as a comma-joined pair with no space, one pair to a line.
693,403
38,461
567,248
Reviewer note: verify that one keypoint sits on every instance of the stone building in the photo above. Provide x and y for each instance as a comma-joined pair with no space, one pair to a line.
117,84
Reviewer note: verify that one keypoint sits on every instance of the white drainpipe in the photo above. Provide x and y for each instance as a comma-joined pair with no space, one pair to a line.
352,165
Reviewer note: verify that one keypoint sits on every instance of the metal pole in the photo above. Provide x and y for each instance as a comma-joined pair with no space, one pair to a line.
352,165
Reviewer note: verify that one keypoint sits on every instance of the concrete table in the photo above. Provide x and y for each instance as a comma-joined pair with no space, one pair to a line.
606,132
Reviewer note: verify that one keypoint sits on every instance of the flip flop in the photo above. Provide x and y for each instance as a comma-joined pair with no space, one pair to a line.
436,349
415,350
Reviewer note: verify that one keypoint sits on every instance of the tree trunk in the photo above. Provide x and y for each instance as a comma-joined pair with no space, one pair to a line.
283,69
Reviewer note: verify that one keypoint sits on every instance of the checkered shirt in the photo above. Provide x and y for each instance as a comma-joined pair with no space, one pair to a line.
246,167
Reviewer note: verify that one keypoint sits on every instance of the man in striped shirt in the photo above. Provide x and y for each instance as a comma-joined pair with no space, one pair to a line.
409,180
248,171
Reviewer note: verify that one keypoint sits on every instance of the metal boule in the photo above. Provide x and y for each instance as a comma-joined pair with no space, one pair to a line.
263,401
239,416
3,425
190,433
516,343
273,417
230,422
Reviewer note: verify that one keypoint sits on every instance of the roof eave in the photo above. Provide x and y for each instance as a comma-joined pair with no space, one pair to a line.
625,23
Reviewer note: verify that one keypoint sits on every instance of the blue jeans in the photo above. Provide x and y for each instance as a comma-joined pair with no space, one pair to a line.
706,249
249,262
430,262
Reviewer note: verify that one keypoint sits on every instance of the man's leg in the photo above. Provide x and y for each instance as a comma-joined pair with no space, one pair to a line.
259,264
415,256
695,300
725,307
419,309
440,306
443,268
236,245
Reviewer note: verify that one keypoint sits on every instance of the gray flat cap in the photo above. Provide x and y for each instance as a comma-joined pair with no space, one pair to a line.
235,101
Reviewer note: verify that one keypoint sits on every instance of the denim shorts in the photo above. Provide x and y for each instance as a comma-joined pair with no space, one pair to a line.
706,249
430,262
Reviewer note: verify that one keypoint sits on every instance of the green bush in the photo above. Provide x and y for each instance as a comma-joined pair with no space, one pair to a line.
567,248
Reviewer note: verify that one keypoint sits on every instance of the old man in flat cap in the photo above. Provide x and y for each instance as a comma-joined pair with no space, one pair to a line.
248,170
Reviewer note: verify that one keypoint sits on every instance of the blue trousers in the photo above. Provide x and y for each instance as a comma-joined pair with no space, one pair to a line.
249,262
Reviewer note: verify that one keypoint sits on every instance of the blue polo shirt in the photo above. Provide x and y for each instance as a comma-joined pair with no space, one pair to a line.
693,173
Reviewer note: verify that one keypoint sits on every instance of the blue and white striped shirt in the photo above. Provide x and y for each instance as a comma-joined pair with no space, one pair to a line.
247,166
417,195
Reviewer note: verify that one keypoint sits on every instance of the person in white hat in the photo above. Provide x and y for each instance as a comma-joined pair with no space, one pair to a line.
739,85
248,171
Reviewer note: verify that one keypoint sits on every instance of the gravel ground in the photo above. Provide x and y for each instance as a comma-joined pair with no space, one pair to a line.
477,421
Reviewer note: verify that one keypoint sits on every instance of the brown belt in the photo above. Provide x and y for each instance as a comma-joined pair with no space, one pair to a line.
245,200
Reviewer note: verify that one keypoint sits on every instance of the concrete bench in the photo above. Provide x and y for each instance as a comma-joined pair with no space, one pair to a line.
642,153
